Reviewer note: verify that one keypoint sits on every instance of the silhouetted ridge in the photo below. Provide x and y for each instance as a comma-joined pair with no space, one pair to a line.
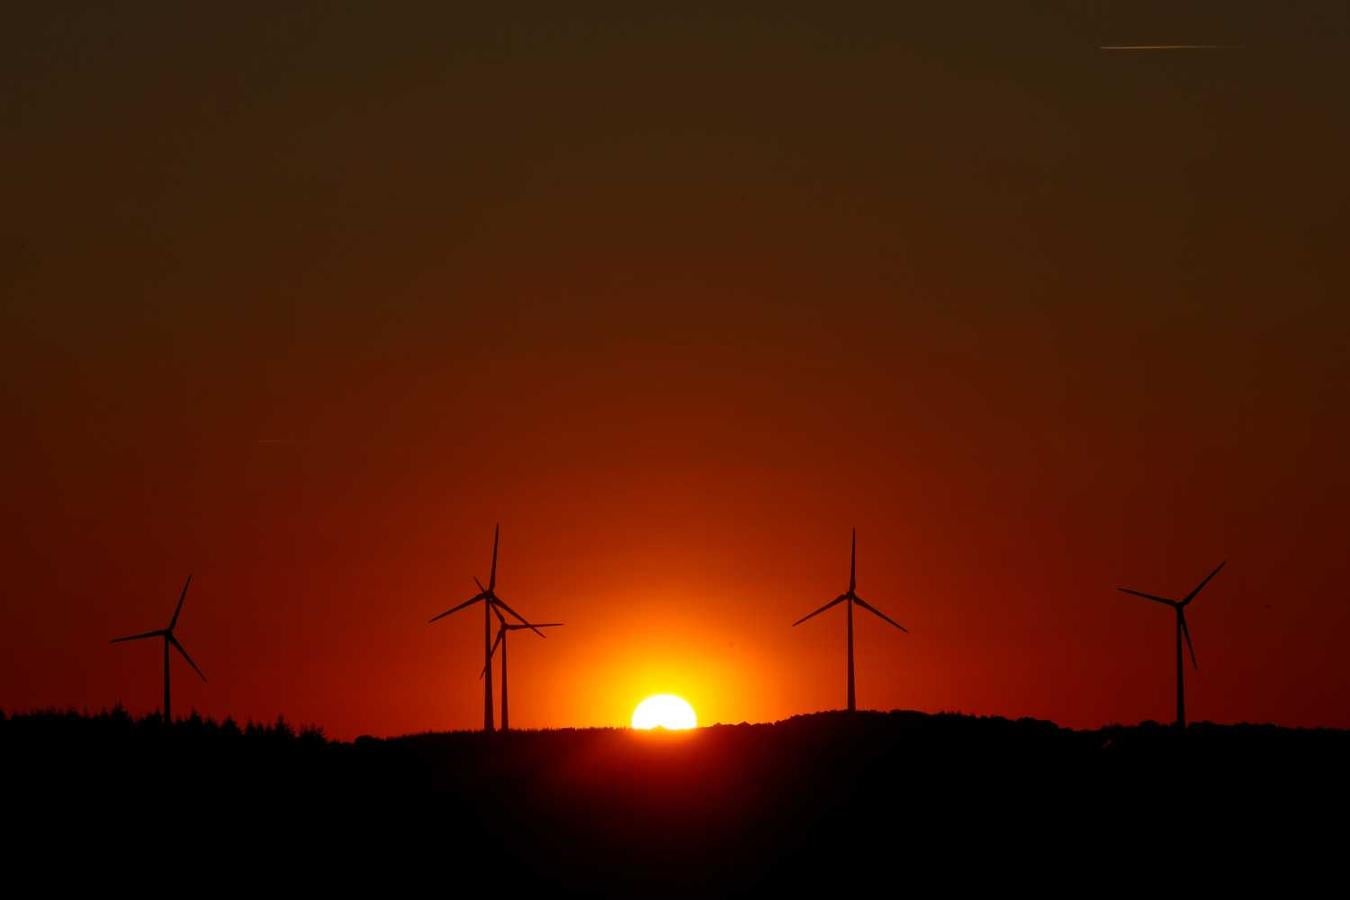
720,810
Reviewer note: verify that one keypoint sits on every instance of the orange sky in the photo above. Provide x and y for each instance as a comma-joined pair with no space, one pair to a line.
304,304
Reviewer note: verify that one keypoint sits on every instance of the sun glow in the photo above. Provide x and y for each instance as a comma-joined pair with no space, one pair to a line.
664,711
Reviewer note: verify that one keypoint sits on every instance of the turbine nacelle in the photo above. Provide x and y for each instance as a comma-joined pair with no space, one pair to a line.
851,594
1180,607
167,633
501,638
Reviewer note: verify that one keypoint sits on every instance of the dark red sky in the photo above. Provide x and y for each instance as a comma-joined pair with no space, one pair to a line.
304,302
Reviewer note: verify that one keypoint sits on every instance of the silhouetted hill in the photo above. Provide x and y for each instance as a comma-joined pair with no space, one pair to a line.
724,810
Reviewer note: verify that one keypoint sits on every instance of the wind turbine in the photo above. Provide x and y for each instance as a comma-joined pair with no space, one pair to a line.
488,597
502,628
1182,631
169,640
851,598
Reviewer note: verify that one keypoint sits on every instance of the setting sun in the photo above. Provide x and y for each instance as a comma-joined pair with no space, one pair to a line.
664,711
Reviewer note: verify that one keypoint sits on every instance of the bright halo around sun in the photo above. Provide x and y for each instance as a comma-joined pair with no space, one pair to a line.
664,711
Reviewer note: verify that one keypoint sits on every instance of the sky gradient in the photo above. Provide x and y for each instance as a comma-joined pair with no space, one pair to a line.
303,303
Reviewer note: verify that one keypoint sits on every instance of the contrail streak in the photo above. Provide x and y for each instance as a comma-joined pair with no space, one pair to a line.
1170,47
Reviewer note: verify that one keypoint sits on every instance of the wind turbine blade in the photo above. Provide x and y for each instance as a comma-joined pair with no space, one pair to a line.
1162,600
498,600
1186,633
1201,585
179,647
179,607
853,563
480,584
454,609
137,637
876,612
496,537
535,625
501,636
837,600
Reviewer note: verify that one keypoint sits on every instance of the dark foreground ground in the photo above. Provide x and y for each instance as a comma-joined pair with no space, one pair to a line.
882,802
